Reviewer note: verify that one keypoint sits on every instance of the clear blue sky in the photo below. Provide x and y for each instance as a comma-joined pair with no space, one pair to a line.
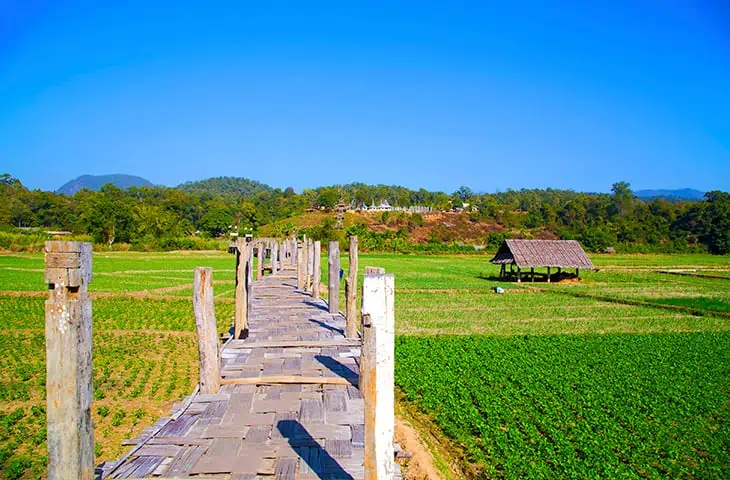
422,94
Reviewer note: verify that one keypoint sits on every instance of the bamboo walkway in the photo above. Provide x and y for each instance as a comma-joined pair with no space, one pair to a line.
259,425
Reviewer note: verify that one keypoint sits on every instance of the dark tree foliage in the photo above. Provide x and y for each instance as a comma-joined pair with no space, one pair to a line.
156,216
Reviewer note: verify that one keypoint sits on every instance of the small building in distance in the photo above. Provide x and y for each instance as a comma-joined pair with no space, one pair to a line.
534,254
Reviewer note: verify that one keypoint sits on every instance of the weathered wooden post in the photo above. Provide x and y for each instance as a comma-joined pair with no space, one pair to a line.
274,255
377,374
243,266
333,277
548,275
282,254
294,246
249,283
301,266
351,291
310,264
208,346
69,376
260,260
317,269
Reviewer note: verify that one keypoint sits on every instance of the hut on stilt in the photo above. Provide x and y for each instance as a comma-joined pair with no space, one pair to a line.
532,254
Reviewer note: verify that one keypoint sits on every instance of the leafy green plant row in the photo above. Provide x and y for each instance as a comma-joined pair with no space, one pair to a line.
609,406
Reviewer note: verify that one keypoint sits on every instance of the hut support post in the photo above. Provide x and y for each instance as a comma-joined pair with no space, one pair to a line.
333,277
69,376
577,272
532,275
351,291
548,275
519,274
208,346
317,269
377,374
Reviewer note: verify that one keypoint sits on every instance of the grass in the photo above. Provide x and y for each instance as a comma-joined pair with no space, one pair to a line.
145,352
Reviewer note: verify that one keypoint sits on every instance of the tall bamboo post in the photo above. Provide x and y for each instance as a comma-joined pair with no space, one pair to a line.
377,374
260,260
69,376
317,269
274,255
333,280
351,291
208,346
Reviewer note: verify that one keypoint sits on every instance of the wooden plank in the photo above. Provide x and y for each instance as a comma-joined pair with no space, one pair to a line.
185,461
340,342
276,379
333,278
208,346
285,468
225,447
159,451
351,291
311,411
69,388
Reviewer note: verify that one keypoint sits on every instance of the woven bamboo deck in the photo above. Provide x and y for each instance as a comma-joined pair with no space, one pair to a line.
259,430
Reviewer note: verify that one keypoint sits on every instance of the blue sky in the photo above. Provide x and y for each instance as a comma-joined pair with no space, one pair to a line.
422,94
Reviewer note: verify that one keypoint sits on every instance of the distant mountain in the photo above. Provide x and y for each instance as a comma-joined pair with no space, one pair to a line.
226,186
95,182
678,194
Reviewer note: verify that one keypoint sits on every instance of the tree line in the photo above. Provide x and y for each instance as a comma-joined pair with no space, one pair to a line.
168,218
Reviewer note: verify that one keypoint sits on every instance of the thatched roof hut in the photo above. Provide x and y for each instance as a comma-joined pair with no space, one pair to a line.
541,253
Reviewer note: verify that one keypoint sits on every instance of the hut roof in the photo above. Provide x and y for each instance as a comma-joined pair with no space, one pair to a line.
543,253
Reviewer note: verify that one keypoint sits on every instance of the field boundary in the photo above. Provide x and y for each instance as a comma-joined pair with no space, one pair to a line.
697,312
690,274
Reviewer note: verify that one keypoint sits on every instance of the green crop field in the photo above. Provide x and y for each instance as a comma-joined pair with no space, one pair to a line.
624,374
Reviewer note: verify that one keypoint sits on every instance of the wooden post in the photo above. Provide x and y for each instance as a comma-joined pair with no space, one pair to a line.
274,255
333,277
260,260
69,376
577,272
310,264
282,254
208,346
351,291
317,269
548,275
249,283
243,266
532,274
377,374
301,265
519,274
293,251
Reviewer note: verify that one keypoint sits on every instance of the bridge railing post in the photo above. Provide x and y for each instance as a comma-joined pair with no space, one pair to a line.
310,264
301,266
377,374
316,269
208,345
260,258
274,255
333,277
243,267
69,376
351,291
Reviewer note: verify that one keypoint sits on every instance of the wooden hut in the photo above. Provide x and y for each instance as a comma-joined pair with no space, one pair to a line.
534,254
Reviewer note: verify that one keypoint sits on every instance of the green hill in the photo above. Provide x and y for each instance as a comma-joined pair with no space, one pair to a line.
95,182
226,186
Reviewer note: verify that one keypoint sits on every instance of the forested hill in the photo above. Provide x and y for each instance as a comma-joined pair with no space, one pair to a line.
168,218
95,182
226,187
